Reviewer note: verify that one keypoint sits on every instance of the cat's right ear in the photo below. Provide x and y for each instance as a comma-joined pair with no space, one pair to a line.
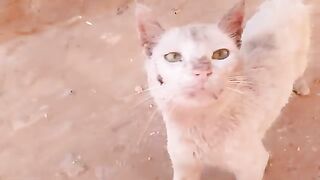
149,29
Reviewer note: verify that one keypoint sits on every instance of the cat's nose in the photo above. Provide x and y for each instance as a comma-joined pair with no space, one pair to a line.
202,72
202,68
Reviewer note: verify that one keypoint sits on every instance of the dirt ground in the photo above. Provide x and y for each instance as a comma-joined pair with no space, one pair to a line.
68,74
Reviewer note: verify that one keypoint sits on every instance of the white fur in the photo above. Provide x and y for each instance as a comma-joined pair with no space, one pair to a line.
227,131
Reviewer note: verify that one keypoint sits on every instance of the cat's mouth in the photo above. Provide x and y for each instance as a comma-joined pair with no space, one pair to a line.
201,93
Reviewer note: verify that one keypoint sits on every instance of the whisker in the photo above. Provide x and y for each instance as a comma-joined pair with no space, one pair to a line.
235,90
256,68
238,79
142,102
240,83
237,76
146,128
151,89
143,92
148,124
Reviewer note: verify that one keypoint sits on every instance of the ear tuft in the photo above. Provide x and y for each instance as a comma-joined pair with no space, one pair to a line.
232,22
149,29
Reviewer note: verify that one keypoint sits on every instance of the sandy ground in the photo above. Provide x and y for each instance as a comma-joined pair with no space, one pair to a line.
68,74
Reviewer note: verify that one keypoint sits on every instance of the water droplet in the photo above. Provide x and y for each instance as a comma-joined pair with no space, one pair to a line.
176,11
152,133
270,164
89,23
68,92
72,165
138,89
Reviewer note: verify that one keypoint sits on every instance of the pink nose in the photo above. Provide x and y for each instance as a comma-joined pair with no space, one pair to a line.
202,68
202,73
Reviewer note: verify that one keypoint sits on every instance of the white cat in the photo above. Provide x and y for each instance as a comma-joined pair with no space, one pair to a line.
218,99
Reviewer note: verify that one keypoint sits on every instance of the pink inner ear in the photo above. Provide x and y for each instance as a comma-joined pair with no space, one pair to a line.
149,29
232,22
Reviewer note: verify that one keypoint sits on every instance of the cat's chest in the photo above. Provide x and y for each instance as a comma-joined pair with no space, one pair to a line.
203,136
203,128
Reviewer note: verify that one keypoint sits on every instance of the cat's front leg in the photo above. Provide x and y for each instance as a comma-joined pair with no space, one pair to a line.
184,163
250,162
186,170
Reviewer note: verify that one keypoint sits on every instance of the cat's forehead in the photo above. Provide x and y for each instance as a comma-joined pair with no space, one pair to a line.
195,35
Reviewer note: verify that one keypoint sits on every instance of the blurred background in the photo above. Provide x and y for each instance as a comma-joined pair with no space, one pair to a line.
71,76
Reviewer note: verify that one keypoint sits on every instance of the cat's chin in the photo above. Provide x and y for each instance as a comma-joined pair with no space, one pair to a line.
202,95
197,99
198,102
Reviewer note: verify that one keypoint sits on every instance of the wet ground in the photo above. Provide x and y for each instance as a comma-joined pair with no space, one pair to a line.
69,72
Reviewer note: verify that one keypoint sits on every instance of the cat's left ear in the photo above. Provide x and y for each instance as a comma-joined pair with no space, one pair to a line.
232,22
149,28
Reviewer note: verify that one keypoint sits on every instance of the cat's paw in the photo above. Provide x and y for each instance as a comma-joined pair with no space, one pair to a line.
301,88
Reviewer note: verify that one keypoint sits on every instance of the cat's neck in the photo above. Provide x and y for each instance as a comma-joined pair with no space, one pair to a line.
188,115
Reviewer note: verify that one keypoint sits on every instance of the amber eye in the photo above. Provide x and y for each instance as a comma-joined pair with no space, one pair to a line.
220,54
173,57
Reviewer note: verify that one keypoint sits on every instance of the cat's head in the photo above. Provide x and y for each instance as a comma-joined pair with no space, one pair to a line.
191,65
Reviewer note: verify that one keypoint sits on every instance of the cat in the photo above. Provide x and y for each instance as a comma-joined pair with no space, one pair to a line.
220,87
